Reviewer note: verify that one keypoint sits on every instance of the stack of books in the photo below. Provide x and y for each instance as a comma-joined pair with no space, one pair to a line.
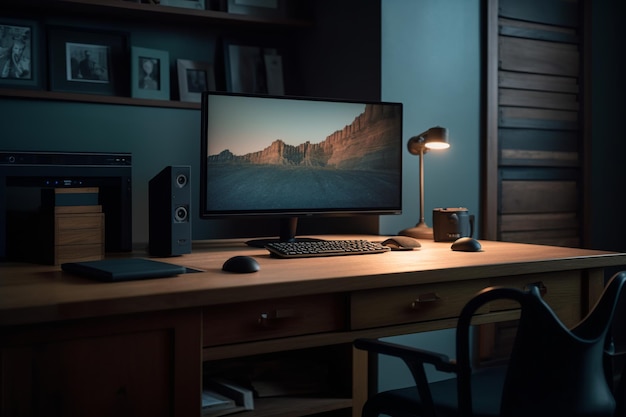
221,397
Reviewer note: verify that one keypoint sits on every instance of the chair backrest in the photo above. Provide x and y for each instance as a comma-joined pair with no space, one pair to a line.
552,371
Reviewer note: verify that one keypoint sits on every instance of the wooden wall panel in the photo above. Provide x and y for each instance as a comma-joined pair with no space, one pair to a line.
531,30
549,140
537,99
545,237
553,12
538,158
541,221
542,57
539,197
524,117
533,120
540,82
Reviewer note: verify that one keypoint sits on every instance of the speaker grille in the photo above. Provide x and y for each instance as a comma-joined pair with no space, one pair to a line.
169,211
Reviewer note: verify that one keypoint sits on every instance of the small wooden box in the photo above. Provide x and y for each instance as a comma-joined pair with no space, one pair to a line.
78,230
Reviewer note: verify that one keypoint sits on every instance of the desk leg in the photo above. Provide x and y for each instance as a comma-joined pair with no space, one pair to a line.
592,288
360,378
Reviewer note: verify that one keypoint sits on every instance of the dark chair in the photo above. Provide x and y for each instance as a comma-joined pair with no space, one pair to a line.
552,371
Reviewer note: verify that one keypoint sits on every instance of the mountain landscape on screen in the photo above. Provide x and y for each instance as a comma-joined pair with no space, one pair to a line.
366,143
356,164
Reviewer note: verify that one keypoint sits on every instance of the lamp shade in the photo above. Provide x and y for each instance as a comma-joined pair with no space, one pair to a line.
433,138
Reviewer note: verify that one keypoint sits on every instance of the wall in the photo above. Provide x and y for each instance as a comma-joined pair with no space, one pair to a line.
431,63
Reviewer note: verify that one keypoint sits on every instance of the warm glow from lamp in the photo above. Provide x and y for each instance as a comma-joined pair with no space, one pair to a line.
435,138
437,145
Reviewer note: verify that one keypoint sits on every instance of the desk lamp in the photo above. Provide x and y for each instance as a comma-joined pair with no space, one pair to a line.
433,138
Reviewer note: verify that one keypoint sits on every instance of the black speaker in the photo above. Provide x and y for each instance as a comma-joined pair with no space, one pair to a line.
169,206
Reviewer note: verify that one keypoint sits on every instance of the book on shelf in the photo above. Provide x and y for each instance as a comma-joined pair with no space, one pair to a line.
241,395
215,404
214,400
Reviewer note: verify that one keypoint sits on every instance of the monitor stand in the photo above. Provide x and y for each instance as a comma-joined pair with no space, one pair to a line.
288,226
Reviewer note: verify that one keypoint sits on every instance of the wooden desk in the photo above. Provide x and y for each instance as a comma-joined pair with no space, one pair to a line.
70,346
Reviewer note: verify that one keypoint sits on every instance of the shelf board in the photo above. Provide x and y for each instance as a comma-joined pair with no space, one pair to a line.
94,98
143,11
292,406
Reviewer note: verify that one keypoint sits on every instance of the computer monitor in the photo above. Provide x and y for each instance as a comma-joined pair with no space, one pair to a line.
290,157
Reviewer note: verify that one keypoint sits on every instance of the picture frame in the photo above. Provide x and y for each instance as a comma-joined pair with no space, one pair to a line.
274,72
88,61
21,61
244,69
194,77
253,69
187,4
266,8
150,73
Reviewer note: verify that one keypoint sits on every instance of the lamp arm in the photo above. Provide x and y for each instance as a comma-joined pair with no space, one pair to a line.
435,138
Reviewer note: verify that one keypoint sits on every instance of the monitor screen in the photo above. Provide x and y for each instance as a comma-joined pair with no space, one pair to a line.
293,157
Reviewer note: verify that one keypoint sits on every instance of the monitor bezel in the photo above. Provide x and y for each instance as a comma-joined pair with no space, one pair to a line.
204,213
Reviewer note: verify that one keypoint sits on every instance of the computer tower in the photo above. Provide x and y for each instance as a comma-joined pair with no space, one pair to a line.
169,207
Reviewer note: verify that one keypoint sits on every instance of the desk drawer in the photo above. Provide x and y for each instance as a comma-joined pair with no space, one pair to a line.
561,290
399,305
274,318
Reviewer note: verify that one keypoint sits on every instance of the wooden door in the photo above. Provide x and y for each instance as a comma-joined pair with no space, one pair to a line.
534,178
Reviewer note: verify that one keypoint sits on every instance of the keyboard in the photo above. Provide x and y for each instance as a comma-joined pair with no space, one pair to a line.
309,249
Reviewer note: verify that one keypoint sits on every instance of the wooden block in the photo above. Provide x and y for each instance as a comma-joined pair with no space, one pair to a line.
78,253
77,209
76,190
79,221
78,237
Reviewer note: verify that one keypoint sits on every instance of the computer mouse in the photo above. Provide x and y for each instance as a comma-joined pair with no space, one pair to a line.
402,243
241,264
467,244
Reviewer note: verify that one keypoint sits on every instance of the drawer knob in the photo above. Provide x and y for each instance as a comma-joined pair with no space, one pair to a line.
266,319
543,290
421,299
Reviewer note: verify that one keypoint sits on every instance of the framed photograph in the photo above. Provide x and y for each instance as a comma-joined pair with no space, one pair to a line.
245,69
187,4
150,73
193,78
269,8
253,69
21,62
86,61
273,72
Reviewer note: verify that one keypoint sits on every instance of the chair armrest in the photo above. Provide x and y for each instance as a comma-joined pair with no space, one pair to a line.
407,353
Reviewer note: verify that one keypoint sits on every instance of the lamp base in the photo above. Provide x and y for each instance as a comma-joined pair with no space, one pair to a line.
420,231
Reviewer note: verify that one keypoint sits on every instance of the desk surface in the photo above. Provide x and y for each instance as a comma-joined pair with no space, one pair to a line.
38,293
